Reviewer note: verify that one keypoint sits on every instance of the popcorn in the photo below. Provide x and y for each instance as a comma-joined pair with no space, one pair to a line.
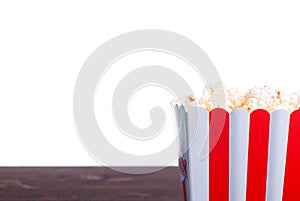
226,166
259,97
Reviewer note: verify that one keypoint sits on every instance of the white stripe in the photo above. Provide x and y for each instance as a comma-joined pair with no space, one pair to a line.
277,154
178,116
182,130
238,154
197,129
184,144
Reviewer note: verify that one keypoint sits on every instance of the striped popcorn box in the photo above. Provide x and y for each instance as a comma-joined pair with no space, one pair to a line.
239,155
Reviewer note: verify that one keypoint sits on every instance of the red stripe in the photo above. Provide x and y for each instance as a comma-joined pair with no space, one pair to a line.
219,155
184,190
258,155
291,189
182,166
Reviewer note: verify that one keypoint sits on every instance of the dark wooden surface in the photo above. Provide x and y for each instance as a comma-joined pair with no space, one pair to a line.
87,184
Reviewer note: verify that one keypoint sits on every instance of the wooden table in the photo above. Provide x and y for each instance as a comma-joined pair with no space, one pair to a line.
87,184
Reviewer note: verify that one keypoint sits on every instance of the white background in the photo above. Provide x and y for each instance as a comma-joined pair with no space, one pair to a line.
43,46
